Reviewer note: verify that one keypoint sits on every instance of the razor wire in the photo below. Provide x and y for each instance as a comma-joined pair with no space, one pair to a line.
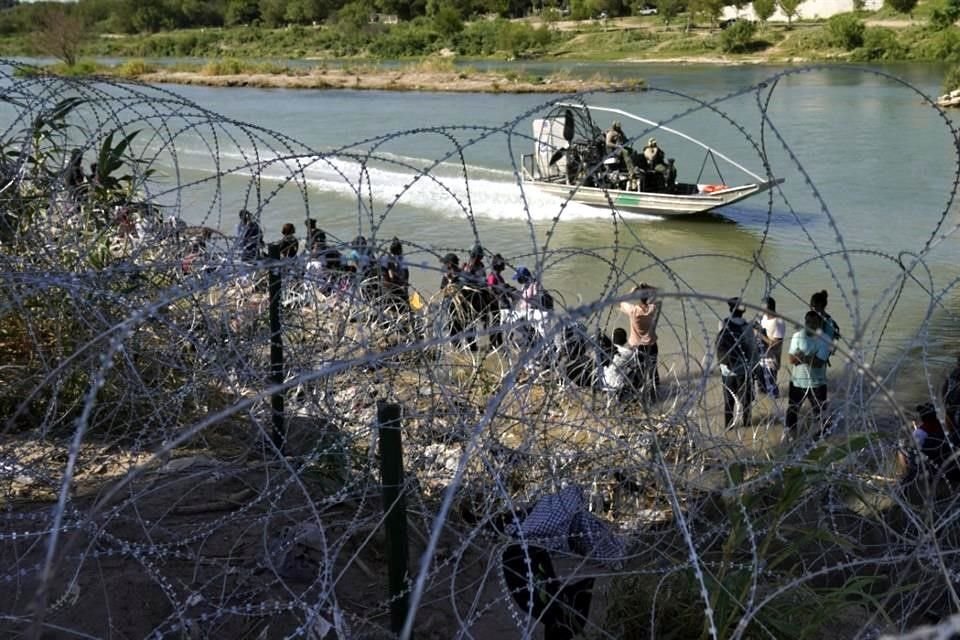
147,493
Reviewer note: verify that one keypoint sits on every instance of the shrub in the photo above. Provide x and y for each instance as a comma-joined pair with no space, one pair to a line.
952,79
880,43
846,31
738,37
941,45
901,6
134,68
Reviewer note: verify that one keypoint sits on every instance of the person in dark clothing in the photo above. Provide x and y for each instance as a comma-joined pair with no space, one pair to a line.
932,447
249,237
737,354
289,245
458,308
500,295
396,277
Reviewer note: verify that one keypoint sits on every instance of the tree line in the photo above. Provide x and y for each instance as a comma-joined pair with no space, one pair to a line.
152,16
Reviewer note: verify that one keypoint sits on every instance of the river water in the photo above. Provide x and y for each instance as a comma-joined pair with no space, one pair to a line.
866,210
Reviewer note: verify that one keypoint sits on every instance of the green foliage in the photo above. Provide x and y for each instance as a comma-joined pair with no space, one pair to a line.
939,45
951,81
241,12
669,9
880,43
790,9
901,6
134,68
738,37
491,36
416,38
447,21
846,31
772,540
764,9
706,10
944,17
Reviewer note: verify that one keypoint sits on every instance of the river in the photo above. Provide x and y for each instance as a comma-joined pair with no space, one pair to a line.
870,170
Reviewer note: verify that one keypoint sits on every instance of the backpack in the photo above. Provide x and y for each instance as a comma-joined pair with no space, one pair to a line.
731,350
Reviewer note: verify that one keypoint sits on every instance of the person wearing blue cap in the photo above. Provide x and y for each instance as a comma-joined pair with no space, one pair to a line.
533,297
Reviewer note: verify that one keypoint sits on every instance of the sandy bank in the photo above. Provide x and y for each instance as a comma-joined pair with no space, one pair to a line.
389,80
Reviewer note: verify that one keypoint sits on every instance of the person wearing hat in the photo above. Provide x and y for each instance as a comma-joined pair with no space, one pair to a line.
809,351
531,292
615,143
614,138
249,237
737,355
643,318
653,154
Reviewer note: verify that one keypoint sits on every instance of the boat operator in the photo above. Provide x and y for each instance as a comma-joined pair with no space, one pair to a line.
615,142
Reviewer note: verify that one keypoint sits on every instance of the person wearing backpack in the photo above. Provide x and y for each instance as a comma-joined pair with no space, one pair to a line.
737,354
809,351
828,326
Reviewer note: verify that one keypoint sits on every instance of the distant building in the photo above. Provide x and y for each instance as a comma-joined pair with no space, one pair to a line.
8,4
809,10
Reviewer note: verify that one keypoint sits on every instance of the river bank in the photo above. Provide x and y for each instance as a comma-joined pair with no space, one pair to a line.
391,80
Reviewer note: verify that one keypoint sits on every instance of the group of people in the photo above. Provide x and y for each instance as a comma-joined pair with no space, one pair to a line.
648,170
749,353
935,445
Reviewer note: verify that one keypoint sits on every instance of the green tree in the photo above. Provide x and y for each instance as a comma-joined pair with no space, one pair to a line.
354,16
447,21
790,9
272,12
669,9
241,12
707,9
763,9
943,17
902,6
738,37
846,31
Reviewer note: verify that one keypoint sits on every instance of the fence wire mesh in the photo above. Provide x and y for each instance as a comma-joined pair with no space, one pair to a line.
152,488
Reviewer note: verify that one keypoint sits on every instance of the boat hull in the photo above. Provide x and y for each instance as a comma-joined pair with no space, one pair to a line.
629,203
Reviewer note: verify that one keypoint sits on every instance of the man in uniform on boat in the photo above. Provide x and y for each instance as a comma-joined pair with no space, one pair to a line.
615,143
660,174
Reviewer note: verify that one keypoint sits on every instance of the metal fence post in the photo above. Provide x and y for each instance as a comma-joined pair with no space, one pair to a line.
395,519
274,288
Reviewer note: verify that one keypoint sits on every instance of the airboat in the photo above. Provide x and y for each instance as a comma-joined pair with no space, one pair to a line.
571,160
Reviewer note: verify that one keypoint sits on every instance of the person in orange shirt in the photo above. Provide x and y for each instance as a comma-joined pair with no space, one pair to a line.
643,338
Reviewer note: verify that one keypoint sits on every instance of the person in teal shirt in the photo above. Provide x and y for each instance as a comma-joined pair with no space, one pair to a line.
809,351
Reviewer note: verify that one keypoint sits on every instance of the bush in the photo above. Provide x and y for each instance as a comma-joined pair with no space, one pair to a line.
880,43
941,45
738,37
407,39
134,69
846,31
952,80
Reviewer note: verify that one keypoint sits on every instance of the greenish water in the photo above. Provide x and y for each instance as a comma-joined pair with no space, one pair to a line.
870,169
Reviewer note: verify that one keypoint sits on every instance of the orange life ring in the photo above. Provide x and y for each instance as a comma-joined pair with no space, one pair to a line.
710,188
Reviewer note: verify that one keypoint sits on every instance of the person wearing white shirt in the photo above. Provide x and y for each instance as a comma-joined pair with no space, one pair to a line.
770,338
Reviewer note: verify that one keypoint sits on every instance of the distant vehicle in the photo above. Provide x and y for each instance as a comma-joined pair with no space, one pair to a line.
729,22
647,11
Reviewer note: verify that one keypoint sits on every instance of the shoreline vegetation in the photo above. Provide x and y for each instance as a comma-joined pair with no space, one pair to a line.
342,50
